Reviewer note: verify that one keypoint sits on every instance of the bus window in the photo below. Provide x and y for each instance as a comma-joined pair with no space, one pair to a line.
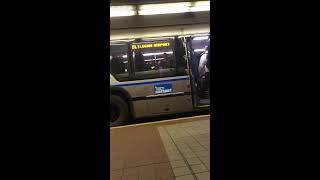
181,57
154,60
118,61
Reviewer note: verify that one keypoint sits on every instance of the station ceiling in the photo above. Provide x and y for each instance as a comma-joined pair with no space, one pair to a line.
125,2
133,26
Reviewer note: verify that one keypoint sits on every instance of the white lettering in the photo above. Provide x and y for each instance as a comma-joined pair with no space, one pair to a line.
162,90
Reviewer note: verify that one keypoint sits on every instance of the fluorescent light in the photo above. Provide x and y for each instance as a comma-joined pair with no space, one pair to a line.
200,38
118,11
164,8
170,8
200,6
158,53
163,11
202,3
124,56
164,5
199,50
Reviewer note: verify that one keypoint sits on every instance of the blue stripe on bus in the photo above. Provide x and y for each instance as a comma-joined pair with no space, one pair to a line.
151,82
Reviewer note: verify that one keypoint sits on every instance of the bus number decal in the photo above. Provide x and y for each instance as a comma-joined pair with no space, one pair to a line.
163,88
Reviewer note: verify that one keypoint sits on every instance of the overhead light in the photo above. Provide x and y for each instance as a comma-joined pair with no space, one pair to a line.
200,6
200,38
118,11
170,8
124,56
164,8
201,3
199,9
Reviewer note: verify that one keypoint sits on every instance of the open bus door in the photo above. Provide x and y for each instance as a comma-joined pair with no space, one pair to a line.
195,48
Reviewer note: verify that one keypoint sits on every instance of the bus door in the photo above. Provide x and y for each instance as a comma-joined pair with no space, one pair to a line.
196,51
162,83
186,44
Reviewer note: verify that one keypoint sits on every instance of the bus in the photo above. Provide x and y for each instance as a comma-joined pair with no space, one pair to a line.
157,76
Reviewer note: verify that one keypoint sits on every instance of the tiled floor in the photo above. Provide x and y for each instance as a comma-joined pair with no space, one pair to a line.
188,146
166,151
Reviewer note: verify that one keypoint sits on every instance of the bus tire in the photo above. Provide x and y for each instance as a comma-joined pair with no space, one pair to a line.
119,111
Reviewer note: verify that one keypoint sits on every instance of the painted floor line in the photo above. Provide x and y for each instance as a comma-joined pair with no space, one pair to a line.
157,122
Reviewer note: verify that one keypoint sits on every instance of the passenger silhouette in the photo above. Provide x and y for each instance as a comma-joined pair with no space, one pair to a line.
181,63
139,62
204,70
117,65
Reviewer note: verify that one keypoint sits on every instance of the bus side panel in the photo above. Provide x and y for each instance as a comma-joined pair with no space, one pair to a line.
166,103
177,86
162,106
140,109
170,105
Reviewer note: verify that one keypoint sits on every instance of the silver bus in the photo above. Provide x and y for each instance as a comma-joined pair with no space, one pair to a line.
157,76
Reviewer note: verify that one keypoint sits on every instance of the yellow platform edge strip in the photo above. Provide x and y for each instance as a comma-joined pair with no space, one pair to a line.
158,122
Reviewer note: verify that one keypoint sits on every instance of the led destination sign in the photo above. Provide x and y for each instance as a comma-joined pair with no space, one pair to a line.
150,45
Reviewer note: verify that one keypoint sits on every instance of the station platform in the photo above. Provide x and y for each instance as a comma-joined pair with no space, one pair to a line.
176,149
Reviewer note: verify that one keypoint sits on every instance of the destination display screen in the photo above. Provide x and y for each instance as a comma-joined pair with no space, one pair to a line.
150,45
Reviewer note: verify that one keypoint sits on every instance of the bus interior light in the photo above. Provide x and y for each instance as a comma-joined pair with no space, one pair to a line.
199,50
158,53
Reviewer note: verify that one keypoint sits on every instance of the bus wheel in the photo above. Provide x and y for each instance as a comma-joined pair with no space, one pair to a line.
119,111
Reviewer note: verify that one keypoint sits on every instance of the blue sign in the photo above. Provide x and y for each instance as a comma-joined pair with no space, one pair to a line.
162,88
